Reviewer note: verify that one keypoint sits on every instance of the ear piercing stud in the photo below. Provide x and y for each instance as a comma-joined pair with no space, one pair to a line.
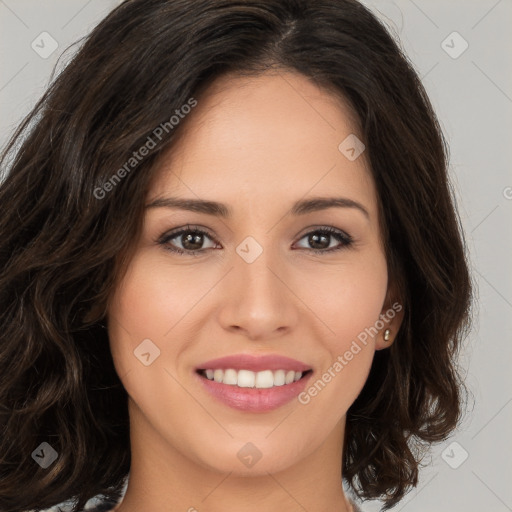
387,332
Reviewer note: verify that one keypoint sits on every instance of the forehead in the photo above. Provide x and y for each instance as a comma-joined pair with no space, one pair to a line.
266,137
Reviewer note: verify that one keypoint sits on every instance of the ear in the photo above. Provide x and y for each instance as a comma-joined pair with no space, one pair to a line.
391,316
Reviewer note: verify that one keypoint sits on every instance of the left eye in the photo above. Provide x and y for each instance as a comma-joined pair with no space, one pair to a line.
320,236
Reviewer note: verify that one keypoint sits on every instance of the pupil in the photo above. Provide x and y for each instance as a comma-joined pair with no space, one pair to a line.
314,241
192,239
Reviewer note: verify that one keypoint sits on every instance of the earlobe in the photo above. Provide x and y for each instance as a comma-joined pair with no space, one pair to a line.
385,339
392,315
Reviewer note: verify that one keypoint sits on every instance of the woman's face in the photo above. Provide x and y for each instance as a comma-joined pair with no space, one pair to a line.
259,146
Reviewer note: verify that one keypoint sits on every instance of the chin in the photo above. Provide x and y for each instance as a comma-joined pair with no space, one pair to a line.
248,458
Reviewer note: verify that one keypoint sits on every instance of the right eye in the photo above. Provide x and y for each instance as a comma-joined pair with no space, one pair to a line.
189,238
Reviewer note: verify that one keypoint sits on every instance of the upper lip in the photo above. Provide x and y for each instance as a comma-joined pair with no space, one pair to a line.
255,363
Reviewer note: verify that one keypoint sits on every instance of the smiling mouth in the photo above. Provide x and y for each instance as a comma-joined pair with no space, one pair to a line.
248,379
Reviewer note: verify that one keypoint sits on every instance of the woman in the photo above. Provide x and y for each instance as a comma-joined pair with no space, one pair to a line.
232,266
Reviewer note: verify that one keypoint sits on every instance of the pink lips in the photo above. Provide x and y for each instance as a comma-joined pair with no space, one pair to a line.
254,399
255,363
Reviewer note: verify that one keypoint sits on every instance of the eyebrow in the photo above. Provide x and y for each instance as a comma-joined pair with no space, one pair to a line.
300,207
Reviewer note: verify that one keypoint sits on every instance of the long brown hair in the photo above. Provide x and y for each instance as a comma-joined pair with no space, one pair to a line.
62,242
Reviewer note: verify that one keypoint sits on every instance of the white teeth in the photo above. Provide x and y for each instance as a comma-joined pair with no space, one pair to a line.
290,376
279,378
264,379
230,377
249,379
245,379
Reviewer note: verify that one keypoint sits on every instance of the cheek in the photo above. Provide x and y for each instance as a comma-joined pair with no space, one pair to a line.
348,299
153,298
359,303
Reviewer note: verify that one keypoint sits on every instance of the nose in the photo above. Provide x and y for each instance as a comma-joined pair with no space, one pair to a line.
258,299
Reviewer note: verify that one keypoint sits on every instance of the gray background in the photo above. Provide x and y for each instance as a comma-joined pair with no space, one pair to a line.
472,95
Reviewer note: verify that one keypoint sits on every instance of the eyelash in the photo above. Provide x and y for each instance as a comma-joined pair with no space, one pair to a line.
345,239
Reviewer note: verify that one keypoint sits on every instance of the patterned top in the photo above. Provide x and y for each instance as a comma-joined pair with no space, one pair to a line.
107,506
104,506
356,508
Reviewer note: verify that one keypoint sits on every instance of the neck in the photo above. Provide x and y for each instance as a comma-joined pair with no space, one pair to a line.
164,479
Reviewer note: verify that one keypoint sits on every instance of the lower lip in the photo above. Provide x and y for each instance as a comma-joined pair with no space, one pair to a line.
254,399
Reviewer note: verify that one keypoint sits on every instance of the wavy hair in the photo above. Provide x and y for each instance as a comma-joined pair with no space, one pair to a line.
62,246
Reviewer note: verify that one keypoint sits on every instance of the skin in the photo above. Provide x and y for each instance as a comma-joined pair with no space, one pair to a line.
257,145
